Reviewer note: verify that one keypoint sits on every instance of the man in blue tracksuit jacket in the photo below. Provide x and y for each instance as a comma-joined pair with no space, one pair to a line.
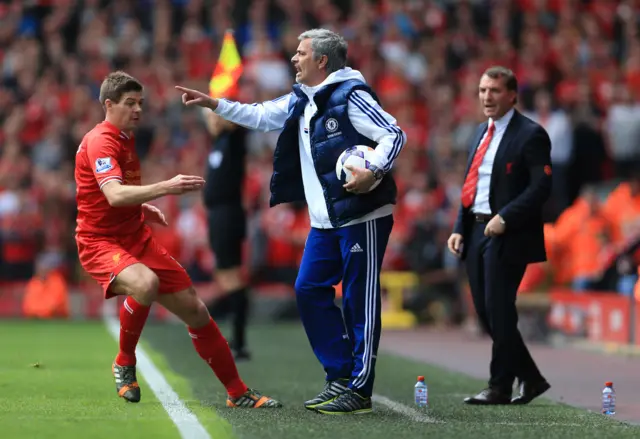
330,109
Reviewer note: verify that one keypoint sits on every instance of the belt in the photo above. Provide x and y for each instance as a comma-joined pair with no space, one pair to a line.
482,217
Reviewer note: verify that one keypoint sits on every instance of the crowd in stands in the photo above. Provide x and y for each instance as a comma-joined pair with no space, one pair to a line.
577,62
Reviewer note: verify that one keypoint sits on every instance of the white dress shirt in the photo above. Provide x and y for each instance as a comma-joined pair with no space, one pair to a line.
367,117
481,202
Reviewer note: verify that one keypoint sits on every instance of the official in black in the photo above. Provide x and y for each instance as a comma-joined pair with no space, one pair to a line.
227,224
499,230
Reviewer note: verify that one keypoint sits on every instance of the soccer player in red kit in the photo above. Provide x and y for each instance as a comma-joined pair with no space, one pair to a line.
117,249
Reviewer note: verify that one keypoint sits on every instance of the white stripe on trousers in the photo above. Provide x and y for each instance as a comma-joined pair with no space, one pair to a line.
370,303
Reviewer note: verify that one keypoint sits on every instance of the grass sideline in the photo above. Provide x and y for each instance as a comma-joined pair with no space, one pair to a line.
284,366
56,383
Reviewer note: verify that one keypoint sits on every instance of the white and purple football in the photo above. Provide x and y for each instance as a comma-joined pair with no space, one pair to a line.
359,156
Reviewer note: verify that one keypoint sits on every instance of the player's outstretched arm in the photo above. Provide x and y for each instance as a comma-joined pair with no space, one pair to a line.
119,195
265,116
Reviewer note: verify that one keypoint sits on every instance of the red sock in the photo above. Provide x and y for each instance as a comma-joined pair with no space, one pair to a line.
133,316
214,349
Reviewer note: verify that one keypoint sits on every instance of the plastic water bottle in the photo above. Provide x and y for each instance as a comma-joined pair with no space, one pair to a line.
421,393
608,399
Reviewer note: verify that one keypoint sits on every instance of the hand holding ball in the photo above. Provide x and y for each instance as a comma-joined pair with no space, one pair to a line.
357,157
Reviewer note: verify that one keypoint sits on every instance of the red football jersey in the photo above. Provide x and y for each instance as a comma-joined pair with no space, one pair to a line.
106,154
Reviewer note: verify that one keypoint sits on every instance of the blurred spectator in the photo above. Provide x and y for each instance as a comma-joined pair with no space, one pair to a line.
46,295
623,126
583,235
281,243
558,126
578,64
623,212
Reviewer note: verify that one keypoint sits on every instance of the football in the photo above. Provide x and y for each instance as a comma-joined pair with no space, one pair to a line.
359,156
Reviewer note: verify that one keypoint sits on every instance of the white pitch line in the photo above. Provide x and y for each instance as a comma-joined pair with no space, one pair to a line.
405,410
184,419
533,424
417,416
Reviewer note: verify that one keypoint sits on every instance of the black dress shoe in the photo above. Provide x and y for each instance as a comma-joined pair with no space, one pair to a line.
489,397
530,390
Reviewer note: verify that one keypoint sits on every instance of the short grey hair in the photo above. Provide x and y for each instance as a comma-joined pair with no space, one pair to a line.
329,43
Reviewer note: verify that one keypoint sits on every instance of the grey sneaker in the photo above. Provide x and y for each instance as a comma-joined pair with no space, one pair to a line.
332,389
349,403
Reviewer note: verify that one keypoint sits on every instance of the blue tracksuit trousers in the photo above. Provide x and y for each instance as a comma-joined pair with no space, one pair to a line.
346,344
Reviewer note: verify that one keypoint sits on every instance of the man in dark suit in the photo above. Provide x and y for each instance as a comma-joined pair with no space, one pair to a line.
499,230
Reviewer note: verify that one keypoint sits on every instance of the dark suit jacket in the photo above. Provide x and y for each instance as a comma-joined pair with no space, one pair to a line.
520,185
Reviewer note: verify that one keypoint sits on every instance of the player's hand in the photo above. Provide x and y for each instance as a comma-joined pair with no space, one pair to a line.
154,215
362,181
455,244
494,227
183,183
194,97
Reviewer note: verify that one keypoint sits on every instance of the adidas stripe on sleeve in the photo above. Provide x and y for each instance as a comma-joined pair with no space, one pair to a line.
370,120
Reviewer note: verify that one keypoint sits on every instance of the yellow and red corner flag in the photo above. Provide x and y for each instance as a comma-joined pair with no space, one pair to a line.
224,79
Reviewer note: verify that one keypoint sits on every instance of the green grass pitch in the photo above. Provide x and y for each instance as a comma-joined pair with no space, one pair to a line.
55,382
